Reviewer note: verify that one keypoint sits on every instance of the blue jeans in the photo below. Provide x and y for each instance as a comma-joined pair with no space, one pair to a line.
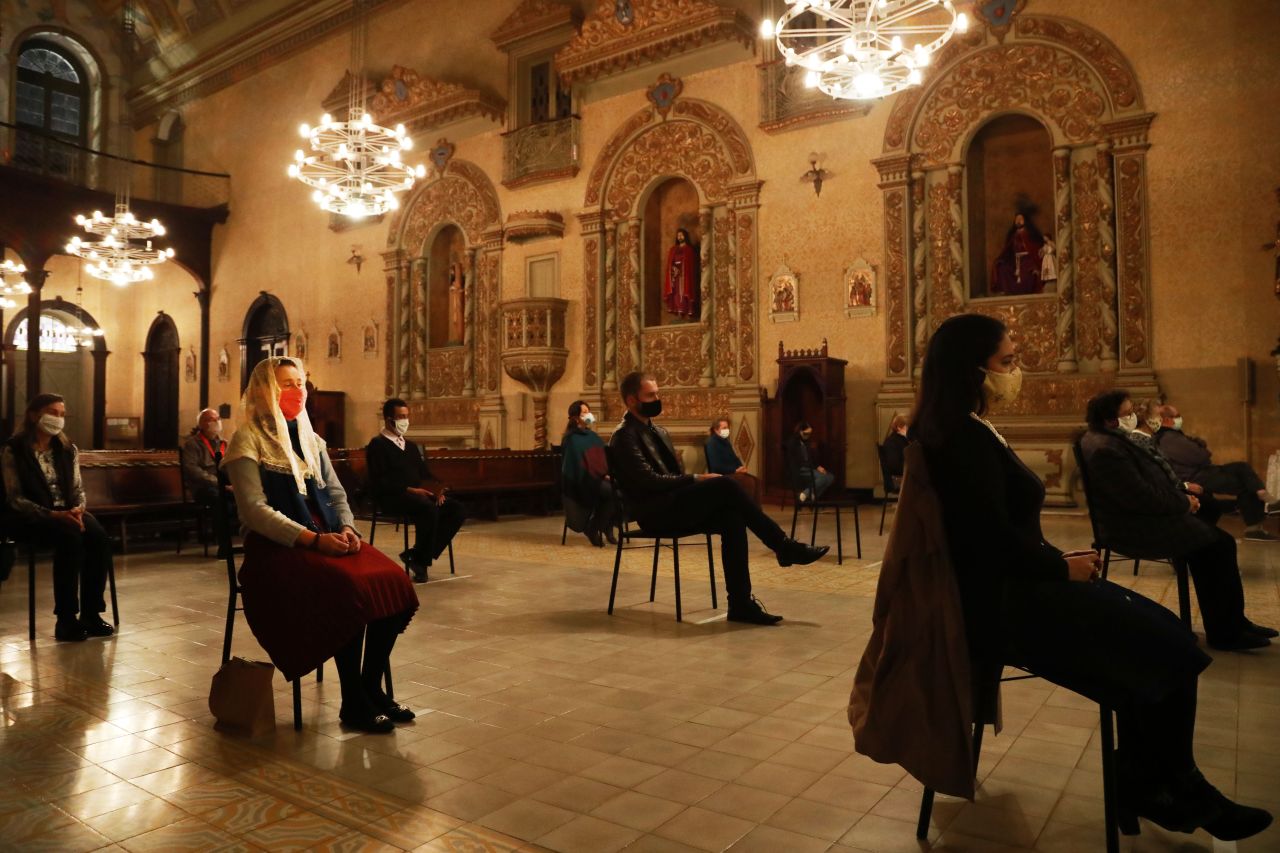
822,481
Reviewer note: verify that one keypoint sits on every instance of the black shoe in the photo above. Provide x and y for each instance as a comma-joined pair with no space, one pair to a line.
395,711
414,566
1241,642
1232,822
1260,630
795,552
369,722
70,630
95,626
594,537
753,613
609,537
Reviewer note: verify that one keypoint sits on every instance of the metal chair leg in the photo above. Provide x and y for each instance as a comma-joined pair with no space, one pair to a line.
405,525
31,592
1184,591
675,559
857,530
320,673
297,706
813,531
1106,562
111,585
926,812
451,569
231,626
711,569
795,514
884,509
617,564
373,525
564,531
839,540
1109,787
386,676
653,578
1136,563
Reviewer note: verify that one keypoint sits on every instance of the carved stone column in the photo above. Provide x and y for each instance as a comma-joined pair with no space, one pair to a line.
746,207
629,305
533,351
955,195
1066,331
899,310
468,326
610,347
1107,259
708,305
592,270
724,275
493,413
918,338
420,340
1134,302
392,269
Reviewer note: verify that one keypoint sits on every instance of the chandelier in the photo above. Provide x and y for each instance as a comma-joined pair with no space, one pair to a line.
122,252
8,270
355,165
84,334
863,49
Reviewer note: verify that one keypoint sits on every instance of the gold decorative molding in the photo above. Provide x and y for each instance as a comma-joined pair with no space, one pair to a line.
420,103
658,28
532,224
533,18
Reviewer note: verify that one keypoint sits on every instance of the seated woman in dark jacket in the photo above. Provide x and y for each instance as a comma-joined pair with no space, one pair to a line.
808,477
591,507
1027,603
722,459
45,505
893,450
312,590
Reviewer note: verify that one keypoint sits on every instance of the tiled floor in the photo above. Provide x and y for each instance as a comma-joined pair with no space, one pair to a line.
546,724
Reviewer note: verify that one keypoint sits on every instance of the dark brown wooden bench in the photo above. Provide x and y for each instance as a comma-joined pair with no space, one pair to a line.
136,487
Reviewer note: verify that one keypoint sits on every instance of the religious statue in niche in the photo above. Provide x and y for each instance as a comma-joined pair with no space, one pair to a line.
784,287
457,282
1027,263
224,365
860,289
300,345
190,366
370,340
335,345
680,294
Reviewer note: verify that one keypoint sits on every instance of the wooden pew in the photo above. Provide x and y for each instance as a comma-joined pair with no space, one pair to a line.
528,478
142,487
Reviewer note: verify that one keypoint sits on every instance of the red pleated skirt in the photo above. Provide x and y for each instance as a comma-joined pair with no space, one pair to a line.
303,606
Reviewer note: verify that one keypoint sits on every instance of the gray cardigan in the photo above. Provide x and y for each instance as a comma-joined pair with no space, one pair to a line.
256,514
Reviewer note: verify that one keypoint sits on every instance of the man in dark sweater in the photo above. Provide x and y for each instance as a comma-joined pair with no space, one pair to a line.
662,497
397,471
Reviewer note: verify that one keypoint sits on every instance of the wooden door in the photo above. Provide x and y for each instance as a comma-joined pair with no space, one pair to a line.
160,385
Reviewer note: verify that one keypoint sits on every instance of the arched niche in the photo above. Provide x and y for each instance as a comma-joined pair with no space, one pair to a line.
265,333
443,267
672,206
1094,328
1009,173
689,150
67,367
160,384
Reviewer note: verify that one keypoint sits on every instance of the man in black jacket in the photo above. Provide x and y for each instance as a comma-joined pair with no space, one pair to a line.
662,497
397,471
1141,513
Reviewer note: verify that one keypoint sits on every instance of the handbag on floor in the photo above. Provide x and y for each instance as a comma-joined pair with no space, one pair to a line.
241,698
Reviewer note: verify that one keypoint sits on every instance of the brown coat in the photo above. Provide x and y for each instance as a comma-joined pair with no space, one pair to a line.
912,701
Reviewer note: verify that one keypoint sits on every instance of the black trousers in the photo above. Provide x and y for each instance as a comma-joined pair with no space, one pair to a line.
1239,479
1216,575
434,526
719,506
1118,648
81,562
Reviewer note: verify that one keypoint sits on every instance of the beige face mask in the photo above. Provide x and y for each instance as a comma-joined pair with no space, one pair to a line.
1001,389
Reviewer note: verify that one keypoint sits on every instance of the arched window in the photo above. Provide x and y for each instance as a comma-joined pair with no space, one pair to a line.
52,96
58,333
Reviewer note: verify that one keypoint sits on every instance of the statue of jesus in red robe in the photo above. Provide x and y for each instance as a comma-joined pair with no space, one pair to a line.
680,293
1017,268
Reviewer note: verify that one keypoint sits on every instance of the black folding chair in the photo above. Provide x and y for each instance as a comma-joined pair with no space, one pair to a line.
987,689
31,592
891,485
627,533
801,484
1179,565
404,524
226,546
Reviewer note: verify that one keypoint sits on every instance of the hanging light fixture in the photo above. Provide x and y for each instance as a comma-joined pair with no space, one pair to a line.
863,49
355,165
12,284
122,252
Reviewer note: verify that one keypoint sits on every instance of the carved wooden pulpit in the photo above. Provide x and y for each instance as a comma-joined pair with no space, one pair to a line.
810,388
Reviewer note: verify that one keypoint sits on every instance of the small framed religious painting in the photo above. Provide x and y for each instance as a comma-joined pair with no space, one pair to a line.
369,340
784,296
300,348
224,365
859,286
334,349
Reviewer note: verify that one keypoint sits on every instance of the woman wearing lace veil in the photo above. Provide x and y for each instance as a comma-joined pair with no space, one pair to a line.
311,589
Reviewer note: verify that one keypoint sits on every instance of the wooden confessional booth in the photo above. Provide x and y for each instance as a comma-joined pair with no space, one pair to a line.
810,388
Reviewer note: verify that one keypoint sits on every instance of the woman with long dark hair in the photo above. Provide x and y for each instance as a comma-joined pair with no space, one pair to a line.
591,507
46,499
1027,603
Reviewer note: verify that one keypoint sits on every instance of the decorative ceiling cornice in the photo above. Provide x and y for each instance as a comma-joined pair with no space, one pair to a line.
533,18
420,103
277,38
655,29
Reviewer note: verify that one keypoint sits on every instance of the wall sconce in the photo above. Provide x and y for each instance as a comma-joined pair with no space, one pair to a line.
356,258
816,175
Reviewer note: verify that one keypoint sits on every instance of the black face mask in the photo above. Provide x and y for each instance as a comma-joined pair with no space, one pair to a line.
651,409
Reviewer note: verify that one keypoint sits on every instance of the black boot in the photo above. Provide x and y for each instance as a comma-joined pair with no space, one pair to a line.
795,552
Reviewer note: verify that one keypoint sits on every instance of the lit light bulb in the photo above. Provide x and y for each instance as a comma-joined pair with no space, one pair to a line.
914,77
962,23
811,79
896,44
766,28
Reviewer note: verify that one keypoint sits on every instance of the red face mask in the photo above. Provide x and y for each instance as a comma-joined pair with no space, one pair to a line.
291,402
